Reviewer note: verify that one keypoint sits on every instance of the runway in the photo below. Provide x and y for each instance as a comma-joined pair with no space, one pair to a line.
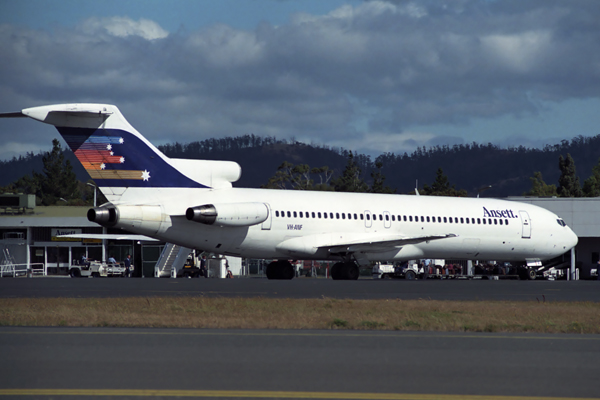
303,288
66,363
169,363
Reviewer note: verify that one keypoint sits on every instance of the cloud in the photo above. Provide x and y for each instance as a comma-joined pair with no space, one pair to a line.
123,27
370,76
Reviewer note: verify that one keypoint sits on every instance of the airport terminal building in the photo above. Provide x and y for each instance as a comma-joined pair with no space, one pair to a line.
31,235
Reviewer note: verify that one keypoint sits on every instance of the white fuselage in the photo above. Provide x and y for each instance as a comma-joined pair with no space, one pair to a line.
296,228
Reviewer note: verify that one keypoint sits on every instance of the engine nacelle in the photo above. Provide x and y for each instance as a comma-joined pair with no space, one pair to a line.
231,214
141,219
105,216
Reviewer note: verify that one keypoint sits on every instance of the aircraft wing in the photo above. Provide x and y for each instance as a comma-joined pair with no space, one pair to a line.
108,236
352,243
381,245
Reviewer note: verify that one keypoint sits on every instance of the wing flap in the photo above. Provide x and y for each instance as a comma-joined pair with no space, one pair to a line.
353,243
383,245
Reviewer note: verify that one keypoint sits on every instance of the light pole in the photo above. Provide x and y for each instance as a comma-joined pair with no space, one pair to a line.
94,186
481,189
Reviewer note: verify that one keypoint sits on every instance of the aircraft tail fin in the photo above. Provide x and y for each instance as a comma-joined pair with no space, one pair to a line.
118,157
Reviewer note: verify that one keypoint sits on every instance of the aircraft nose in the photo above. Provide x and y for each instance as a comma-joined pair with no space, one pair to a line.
572,239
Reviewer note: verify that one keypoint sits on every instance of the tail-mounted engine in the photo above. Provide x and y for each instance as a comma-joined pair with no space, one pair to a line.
141,219
233,214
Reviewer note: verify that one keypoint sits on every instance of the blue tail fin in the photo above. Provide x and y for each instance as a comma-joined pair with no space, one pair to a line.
109,148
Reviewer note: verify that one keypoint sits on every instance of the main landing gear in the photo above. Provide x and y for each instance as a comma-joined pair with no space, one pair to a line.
281,269
345,271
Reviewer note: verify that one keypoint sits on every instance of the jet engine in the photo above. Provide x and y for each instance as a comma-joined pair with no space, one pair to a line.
142,219
231,214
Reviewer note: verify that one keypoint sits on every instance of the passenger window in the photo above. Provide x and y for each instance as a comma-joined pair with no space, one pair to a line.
505,222
479,221
495,222
319,215
325,215
410,218
313,214
439,219
467,220
404,217
500,222
300,214
277,213
393,217
387,217
422,218
356,216
331,215
361,217
368,217
289,214
427,219
445,219
462,220
489,221
295,214
337,215
484,221
343,215
450,219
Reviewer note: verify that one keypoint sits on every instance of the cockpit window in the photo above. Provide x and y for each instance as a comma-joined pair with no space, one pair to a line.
561,222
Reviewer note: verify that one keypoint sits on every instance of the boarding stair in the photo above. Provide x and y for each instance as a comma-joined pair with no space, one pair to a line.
171,260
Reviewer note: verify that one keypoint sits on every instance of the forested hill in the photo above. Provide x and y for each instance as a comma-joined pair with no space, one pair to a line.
468,167
473,166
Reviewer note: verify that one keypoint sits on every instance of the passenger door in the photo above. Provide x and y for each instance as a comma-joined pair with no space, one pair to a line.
526,223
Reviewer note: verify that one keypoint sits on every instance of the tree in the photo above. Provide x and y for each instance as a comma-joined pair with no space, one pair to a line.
350,181
568,182
379,185
324,174
539,187
299,177
441,187
591,186
58,181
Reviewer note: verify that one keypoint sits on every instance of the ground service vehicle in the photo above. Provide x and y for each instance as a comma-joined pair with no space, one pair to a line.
96,269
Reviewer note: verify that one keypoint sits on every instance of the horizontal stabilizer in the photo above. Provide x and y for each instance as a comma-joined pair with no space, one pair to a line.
13,115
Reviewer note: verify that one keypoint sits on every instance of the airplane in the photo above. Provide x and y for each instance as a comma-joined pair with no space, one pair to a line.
193,203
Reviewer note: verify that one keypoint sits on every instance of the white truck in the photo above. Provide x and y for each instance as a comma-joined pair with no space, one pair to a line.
409,270
96,269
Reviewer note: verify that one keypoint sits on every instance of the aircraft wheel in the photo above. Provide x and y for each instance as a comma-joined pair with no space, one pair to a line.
286,270
410,275
352,271
280,270
531,274
335,271
271,271
523,273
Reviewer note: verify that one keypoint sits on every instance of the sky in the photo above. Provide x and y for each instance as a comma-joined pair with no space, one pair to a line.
368,76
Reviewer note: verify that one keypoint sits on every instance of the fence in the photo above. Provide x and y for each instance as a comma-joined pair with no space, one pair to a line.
18,270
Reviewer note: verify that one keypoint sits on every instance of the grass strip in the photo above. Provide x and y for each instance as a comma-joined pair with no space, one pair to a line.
326,313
